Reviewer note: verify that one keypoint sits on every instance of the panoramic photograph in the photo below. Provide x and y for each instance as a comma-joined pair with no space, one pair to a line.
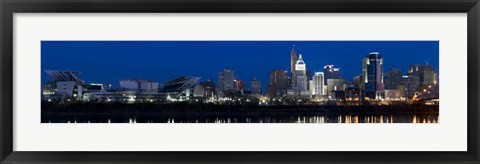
240,82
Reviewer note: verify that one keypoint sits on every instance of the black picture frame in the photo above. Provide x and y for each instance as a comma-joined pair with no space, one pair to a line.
9,7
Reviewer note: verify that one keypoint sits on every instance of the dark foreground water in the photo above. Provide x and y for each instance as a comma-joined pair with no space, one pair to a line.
260,119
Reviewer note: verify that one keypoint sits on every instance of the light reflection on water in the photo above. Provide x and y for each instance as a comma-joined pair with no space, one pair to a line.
264,119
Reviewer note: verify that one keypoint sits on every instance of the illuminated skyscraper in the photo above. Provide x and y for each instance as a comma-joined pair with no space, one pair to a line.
318,84
331,73
373,76
293,61
301,75
311,87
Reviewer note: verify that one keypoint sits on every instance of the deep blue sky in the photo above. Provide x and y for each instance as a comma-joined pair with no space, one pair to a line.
111,61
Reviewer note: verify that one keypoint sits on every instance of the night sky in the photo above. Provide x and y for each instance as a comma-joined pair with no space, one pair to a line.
111,61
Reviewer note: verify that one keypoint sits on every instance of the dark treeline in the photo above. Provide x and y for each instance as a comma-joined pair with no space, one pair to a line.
189,109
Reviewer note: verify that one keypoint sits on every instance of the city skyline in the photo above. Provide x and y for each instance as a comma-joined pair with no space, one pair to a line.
120,58
252,82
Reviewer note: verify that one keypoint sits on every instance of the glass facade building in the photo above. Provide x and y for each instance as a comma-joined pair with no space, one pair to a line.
373,76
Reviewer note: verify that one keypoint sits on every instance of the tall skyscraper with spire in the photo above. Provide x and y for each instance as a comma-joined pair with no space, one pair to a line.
301,75
293,62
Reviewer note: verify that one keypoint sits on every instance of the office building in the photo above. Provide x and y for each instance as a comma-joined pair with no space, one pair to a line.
318,84
209,87
280,79
393,94
335,85
425,73
410,85
278,83
352,93
373,76
311,87
357,81
226,81
199,91
393,79
238,85
330,72
256,87
301,75
293,61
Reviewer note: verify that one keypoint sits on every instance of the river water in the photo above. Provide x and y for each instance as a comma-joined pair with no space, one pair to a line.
260,119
